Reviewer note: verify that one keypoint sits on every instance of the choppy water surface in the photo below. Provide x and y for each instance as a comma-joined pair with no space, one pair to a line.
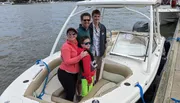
27,33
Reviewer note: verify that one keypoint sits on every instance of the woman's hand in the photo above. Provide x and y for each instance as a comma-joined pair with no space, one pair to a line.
83,54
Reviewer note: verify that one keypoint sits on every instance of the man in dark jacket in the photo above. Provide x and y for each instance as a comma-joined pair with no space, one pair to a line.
83,29
98,39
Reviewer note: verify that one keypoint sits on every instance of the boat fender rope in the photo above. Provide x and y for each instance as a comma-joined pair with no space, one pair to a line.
141,92
177,39
42,63
175,100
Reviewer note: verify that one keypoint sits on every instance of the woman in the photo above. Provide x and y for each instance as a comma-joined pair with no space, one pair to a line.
87,67
69,68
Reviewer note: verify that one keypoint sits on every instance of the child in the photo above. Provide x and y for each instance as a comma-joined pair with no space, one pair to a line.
87,67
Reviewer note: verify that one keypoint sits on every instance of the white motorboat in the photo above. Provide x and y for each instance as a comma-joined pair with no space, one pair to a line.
7,3
131,60
169,11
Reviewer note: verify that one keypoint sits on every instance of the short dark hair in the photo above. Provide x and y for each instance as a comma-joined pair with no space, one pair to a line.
71,29
96,12
85,14
81,41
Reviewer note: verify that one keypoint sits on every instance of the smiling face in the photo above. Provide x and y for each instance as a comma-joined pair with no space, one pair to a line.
86,44
85,21
71,35
96,18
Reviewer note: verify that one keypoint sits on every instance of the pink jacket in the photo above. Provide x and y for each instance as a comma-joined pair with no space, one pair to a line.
70,57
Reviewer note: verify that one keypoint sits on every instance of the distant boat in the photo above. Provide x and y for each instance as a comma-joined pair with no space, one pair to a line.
7,3
51,1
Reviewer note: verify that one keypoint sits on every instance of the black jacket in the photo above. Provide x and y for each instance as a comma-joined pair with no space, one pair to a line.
102,37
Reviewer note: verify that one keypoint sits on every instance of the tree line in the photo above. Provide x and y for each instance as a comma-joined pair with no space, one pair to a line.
27,1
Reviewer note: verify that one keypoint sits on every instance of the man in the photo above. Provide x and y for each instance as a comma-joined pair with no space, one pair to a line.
83,29
98,39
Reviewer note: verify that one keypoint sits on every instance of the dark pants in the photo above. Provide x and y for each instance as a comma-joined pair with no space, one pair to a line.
68,81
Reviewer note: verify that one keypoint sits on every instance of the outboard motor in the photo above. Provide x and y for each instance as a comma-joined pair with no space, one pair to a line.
141,26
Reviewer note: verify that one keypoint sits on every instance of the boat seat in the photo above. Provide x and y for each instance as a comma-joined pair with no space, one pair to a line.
59,100
46,97
52,78
114,72
111,77
59,92
101,86
55,90
36,86
53,86
59,95
99,89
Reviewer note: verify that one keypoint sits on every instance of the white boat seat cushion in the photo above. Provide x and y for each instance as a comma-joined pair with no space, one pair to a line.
60,100
58,92
114,72
46,97
53,86
112,77
100,87
40,78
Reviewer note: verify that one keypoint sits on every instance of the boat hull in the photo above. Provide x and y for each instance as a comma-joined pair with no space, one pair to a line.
24,92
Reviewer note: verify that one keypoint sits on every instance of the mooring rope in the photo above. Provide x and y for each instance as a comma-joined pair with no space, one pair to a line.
175,100
171,38
141,92
46,80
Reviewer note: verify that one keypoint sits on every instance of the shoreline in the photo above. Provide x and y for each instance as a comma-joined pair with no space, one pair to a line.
27,3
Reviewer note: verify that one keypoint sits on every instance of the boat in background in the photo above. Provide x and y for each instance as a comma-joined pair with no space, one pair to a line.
7,3
131,60
169,11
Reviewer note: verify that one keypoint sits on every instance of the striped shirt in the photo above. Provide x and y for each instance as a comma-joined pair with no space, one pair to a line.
96,40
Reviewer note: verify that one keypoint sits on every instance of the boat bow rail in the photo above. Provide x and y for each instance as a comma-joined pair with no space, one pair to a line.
92,4
118,2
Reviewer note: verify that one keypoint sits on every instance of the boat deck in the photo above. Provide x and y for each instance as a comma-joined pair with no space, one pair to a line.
169,86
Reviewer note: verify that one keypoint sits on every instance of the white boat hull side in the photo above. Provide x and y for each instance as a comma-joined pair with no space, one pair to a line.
123,94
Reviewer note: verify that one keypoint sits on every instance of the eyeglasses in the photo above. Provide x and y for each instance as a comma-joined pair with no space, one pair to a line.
72,34
87,43
86,20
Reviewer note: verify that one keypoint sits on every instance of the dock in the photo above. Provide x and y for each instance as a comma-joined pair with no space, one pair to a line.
169,86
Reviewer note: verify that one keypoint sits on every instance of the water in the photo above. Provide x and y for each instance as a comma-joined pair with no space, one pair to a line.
27,33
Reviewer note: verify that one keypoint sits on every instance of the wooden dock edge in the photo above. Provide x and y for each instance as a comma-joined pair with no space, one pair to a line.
163,93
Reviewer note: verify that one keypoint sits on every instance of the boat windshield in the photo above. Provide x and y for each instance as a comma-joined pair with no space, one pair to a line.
127,18
129,31
130,44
